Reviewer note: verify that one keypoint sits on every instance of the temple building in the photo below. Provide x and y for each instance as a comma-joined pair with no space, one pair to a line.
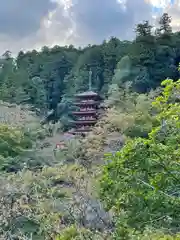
87,113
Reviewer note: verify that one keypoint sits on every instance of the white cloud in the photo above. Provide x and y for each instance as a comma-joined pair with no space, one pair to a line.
174,12
170,7
32,24
159,3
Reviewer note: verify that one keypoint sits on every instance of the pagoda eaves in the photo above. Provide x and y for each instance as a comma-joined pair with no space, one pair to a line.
87,114
82,122
86,94
84,112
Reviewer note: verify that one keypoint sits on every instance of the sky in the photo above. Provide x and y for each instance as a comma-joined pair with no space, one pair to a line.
31,24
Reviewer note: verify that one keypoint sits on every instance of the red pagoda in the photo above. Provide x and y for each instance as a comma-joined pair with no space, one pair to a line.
87,114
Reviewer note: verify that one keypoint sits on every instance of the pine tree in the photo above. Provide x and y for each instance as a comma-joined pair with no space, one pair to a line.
165,27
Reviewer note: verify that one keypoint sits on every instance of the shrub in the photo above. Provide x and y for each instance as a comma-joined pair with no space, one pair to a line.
141,182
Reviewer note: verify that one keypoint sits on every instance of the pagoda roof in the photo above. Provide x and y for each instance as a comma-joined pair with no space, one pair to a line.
89,102
84,121
87,93
84,112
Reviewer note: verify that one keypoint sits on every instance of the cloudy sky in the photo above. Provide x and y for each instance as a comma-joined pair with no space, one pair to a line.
28,24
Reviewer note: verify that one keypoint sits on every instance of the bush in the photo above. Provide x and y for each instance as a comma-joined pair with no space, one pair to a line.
14,144
129,113
141,182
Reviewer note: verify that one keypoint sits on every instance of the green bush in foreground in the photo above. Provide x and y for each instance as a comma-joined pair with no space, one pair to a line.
141,183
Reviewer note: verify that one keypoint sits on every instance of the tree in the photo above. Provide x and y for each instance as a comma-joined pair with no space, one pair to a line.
21,96
13,145
164,22
122,71
141,182
64,70
111,52
143,29
141,82
38,93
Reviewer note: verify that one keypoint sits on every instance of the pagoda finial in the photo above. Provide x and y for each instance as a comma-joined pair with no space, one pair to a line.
90,80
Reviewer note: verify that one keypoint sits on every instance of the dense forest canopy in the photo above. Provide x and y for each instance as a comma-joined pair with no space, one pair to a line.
45,78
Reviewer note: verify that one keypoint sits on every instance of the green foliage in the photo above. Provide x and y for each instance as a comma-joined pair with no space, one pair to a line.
38,93
69,234
20,137
122,72
75,233
13,145
130,113
12,141
42,78
38,203
141,182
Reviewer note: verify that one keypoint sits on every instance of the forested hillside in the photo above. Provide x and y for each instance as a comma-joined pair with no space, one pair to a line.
45,78
121,181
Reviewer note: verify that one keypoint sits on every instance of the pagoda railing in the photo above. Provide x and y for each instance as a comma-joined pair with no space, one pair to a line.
87,118
86,109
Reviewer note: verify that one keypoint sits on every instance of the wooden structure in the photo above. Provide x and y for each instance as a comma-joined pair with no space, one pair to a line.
86,115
